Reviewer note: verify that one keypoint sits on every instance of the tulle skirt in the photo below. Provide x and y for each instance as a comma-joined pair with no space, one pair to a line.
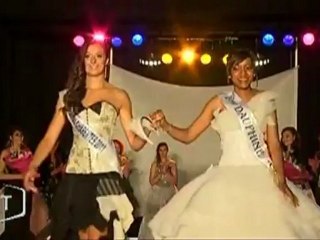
158,197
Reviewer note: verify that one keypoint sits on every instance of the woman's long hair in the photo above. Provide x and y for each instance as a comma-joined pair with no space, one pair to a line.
76,84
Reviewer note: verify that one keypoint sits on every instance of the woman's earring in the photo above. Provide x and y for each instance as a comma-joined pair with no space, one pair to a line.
228,79
256,79
105,71
106,68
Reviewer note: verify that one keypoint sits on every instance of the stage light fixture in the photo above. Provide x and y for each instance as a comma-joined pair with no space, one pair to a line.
268,39
166,58
308,39
205,59
137,39
99,37
78,40
225,59
116,41
188,55
288,40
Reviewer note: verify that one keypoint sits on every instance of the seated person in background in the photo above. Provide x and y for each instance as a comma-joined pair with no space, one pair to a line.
16,157
125,163
294,169
314,170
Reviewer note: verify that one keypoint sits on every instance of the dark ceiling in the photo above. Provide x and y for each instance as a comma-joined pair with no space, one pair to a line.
161,17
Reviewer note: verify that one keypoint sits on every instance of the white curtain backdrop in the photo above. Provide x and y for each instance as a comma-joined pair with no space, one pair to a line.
182,105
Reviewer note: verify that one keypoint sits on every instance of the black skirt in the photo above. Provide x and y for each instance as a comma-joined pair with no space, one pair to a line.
75,205
126,186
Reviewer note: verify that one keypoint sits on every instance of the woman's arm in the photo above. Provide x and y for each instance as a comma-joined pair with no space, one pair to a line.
154,176
44,148
171,175
136,143
47,143
2,162
199,125
275,149
277,158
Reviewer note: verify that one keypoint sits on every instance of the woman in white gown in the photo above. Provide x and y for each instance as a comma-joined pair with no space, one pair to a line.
247,195
163,181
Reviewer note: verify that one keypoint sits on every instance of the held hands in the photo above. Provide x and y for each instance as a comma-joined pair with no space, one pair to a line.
165,169
159,120
125,163
164,173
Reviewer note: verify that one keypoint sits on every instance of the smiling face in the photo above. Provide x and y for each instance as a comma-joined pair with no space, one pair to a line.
287,138
95,60
241,69
17,138
242,74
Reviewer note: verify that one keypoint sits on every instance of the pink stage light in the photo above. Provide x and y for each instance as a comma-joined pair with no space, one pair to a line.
308,39
100,37
78,40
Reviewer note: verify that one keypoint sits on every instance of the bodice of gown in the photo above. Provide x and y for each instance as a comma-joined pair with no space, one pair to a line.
234,143
83,158
163,182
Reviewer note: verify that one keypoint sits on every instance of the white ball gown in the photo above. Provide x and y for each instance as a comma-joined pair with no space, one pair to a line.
238,198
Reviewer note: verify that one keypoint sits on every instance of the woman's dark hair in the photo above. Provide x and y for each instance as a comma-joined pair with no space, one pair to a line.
76,84
237,56
12,130
295,134
161,144
295,144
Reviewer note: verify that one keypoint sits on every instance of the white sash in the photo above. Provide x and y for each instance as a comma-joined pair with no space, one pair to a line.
249,127
95,141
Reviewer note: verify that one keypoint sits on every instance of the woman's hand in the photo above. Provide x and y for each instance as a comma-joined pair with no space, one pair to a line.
159,120
126,169
29,178
288,194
